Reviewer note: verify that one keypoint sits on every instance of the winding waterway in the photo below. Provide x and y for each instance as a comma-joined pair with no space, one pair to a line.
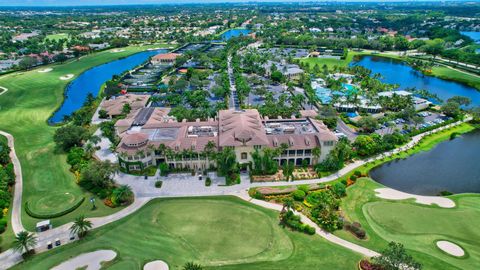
451,166
91,80
397,72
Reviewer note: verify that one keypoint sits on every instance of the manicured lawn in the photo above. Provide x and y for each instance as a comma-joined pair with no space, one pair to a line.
312,61
24,110
454,75
57,37
416,226
217,232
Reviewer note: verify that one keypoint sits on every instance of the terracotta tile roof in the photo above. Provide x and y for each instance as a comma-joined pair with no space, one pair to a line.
237,128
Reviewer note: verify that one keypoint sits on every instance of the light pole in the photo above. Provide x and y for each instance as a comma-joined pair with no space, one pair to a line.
92,200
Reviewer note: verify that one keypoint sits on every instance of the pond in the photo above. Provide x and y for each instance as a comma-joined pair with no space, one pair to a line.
91,80
451,166
236,32
473,35
397,72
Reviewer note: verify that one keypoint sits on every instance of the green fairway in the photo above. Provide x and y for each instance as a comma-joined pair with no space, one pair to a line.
217,232
455,75
330,62
31,99
416,226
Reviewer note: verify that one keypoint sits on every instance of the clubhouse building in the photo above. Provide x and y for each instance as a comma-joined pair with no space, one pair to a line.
150,137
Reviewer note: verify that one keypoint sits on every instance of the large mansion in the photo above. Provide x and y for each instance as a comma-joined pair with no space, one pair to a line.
149,137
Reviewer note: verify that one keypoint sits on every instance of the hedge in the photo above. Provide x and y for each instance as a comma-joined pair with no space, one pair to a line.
53,215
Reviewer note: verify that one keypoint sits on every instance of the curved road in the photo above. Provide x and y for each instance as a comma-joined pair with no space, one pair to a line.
10,258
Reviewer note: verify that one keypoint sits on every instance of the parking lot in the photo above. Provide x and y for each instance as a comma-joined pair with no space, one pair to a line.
429,119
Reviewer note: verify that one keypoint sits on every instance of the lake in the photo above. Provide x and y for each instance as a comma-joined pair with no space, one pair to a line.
235,33
398,72
450,166
473,35
91,80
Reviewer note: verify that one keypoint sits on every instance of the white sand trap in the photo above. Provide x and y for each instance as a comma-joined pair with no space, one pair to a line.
67,77
3,90
117,50
451,248
392,194
92,260
156,265
45,70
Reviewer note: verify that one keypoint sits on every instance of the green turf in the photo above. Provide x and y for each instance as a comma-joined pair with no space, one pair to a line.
217,232
24,110
455,75
416,226
57,37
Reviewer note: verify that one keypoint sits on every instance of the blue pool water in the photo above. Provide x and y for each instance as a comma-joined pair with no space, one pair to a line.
325,94
91,80
396,72
235,33
473,35
352,114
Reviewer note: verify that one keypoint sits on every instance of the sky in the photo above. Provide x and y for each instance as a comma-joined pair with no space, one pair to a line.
133,2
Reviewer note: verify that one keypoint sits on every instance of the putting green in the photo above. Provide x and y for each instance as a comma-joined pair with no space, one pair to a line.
55,202
416,226
216,232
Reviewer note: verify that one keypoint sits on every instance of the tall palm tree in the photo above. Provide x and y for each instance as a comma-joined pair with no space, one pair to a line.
81,226
24,242
316,152
209,150
192,266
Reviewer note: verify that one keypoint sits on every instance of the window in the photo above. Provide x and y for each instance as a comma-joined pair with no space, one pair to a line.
244,155
308,152
291,152
257,147
328,143
299,152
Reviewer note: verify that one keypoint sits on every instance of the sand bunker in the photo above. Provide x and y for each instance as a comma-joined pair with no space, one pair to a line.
45,70
451,248
92,260
156,265
117,50
3,90
392,194
67,77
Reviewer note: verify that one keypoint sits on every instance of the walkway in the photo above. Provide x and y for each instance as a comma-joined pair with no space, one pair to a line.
233,102
178,188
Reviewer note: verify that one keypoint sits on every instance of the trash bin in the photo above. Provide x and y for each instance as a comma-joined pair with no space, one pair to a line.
57,242
49,245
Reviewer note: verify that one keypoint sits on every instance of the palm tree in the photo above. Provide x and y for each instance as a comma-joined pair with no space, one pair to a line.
24,242
192,266
95,139
80,226
287,204
209,150
122,194
316,152
89,149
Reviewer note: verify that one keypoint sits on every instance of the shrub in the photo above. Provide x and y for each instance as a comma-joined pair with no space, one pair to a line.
298,195
258,195
304,188
339,189
366,265
355,229
353,178
158,184
357,174
53,215
208,182
3,225
309,230
445,193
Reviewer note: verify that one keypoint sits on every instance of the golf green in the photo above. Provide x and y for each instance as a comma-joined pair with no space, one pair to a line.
216,232
31,98
416,226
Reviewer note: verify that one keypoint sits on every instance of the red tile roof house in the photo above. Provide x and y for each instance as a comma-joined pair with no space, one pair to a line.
114,106
164,58
244,131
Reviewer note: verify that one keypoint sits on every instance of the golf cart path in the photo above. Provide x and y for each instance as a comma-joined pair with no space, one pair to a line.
10,258
326,235
4,90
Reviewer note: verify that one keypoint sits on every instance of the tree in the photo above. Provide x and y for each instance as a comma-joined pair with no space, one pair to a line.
317,152
69,136
288,169
97,175
192,266
102,114
276,76
81,226
27,62
287,204
395,257
209,151
126,109
368,123
121,194
365,145
24,242
451,108
226,161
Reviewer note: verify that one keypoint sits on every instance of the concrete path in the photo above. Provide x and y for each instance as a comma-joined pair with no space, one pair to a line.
174,189
328,236
4,90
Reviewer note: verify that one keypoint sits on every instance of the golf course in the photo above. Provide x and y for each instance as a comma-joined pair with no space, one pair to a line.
415,225
32,97
216,232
